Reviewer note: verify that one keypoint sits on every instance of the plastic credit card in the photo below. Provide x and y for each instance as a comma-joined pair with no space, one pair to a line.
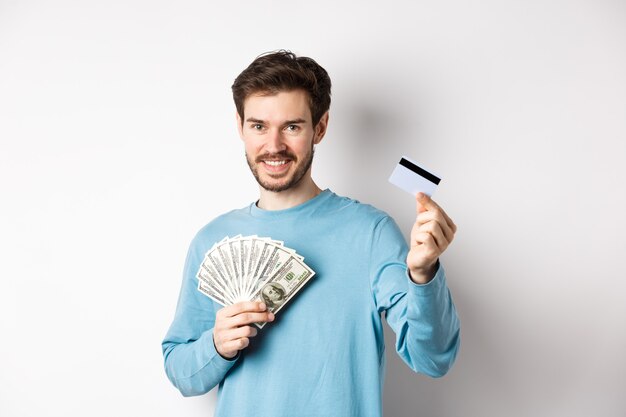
413,179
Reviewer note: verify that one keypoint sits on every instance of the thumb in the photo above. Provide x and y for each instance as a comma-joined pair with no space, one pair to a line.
422,202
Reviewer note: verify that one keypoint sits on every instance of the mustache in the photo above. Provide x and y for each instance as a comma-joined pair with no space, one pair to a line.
275,156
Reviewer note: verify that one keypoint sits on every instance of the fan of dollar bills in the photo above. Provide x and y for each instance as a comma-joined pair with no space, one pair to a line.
252,268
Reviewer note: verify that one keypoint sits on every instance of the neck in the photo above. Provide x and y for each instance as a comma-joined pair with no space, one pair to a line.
301,193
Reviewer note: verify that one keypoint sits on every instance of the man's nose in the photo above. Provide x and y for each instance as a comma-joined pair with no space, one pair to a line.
275,141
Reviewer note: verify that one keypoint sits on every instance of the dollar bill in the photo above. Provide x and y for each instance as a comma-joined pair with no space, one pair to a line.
213,262
207,276
280,288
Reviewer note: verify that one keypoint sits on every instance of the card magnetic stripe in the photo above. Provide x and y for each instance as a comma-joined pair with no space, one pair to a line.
419,171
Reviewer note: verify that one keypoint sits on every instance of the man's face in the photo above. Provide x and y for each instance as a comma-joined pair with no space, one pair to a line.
279,135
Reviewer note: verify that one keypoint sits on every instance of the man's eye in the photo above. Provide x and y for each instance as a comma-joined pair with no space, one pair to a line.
257,126
292,128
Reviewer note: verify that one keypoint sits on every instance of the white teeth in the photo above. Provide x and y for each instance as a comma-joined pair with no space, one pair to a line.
275,163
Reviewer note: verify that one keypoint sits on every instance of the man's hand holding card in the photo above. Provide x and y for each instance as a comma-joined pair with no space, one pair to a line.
431,234
433,230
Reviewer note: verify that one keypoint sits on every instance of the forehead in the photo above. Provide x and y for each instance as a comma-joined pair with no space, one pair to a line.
284,105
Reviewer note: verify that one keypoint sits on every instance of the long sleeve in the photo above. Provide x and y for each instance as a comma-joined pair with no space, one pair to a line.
191,362
423,317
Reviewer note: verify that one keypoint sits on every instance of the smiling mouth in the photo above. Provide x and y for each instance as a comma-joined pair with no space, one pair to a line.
276,163
276,167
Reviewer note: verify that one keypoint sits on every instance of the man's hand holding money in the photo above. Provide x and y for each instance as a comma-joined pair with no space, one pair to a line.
233,330
432,232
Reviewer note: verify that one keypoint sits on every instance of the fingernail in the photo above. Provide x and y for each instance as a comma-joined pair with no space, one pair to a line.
271,316
262,306
420,196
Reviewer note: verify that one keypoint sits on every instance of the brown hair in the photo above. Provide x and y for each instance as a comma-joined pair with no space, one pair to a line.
282,70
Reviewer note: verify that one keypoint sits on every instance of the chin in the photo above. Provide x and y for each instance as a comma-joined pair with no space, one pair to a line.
276,187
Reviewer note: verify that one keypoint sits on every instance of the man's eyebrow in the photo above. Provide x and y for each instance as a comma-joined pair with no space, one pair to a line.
295,121
253,120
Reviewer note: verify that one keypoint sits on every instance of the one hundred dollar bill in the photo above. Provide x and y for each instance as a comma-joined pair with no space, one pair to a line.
281,287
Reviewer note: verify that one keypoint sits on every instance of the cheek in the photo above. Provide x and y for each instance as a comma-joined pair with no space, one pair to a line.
301,146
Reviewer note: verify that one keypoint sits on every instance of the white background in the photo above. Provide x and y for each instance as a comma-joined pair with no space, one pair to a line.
118,143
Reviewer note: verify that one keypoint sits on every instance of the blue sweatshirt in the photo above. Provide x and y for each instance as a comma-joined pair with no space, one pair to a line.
324,353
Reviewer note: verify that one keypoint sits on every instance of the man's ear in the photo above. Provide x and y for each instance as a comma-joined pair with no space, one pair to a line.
320,129
239,124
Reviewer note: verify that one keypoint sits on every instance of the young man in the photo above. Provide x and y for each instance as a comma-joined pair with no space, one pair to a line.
324,353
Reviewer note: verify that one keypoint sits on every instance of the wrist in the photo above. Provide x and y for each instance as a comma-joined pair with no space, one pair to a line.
424,275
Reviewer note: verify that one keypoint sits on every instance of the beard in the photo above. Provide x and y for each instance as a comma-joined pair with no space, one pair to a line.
289,182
